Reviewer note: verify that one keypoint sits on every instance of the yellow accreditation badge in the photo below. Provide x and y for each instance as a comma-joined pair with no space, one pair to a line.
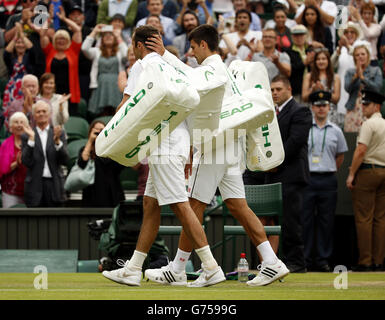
315,159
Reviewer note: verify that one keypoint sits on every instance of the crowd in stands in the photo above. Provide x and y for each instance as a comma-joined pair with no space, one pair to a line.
59,55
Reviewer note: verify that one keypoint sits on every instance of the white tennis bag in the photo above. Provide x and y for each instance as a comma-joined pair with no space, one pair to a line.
264,147
164,98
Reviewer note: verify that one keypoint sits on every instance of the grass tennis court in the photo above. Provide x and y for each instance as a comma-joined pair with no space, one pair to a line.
91,286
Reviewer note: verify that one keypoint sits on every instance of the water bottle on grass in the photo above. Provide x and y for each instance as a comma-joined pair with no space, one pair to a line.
243,269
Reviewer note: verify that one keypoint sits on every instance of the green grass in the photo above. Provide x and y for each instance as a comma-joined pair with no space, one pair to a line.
90,286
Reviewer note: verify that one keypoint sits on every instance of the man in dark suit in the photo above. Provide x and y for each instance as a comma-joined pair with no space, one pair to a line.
294,122
44,150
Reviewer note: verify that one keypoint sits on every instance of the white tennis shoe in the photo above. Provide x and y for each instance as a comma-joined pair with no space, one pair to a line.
124,275
269,273
165,275
208,278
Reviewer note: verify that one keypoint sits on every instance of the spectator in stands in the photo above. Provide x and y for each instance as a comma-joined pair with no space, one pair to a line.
342,60
62,59
17,56
107,9
277,6
155,7
7,9
30,90
107,190
59,102
90,10
300,59
362,76
370,29
326,147
44,152
76,15
322,77
118,23
154,21
12,171
29,28
318,34
327,12
284,39
229,17
189,22
275,62
107,62
294,123
170,9
193,6
244,39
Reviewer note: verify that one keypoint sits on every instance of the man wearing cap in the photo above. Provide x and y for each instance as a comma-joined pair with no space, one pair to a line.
300,59
326,147
366,181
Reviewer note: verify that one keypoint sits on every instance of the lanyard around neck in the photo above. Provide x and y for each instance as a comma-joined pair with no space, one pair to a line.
323,142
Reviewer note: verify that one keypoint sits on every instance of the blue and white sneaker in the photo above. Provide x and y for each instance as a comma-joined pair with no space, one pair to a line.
269,273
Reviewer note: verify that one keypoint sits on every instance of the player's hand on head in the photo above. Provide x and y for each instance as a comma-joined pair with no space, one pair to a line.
156,43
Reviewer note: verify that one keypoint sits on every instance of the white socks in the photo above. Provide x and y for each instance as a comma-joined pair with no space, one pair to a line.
207,258
180,261
267,253
136,261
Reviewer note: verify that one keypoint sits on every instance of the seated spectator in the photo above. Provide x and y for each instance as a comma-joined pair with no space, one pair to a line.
363,76
30,90
154,21
12,171
44,152
371,30
275,62
76,15
189,22
323,78
62,59
107,190
342,60
193,6
155,7
107,62
327,12
318,34
107,9
59,102
300,59
238,5
243,39
17,59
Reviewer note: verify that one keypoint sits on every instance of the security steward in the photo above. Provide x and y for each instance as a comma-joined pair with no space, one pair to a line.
366,181
326,148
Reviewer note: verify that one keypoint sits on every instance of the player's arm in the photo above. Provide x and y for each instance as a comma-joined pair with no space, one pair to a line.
124,99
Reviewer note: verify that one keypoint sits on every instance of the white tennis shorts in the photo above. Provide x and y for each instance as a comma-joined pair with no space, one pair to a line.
166,179
205,179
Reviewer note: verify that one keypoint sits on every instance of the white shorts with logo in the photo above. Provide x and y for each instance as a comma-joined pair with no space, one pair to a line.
205,179
166,179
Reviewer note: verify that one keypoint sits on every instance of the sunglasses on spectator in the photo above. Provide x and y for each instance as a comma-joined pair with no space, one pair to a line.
268,37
